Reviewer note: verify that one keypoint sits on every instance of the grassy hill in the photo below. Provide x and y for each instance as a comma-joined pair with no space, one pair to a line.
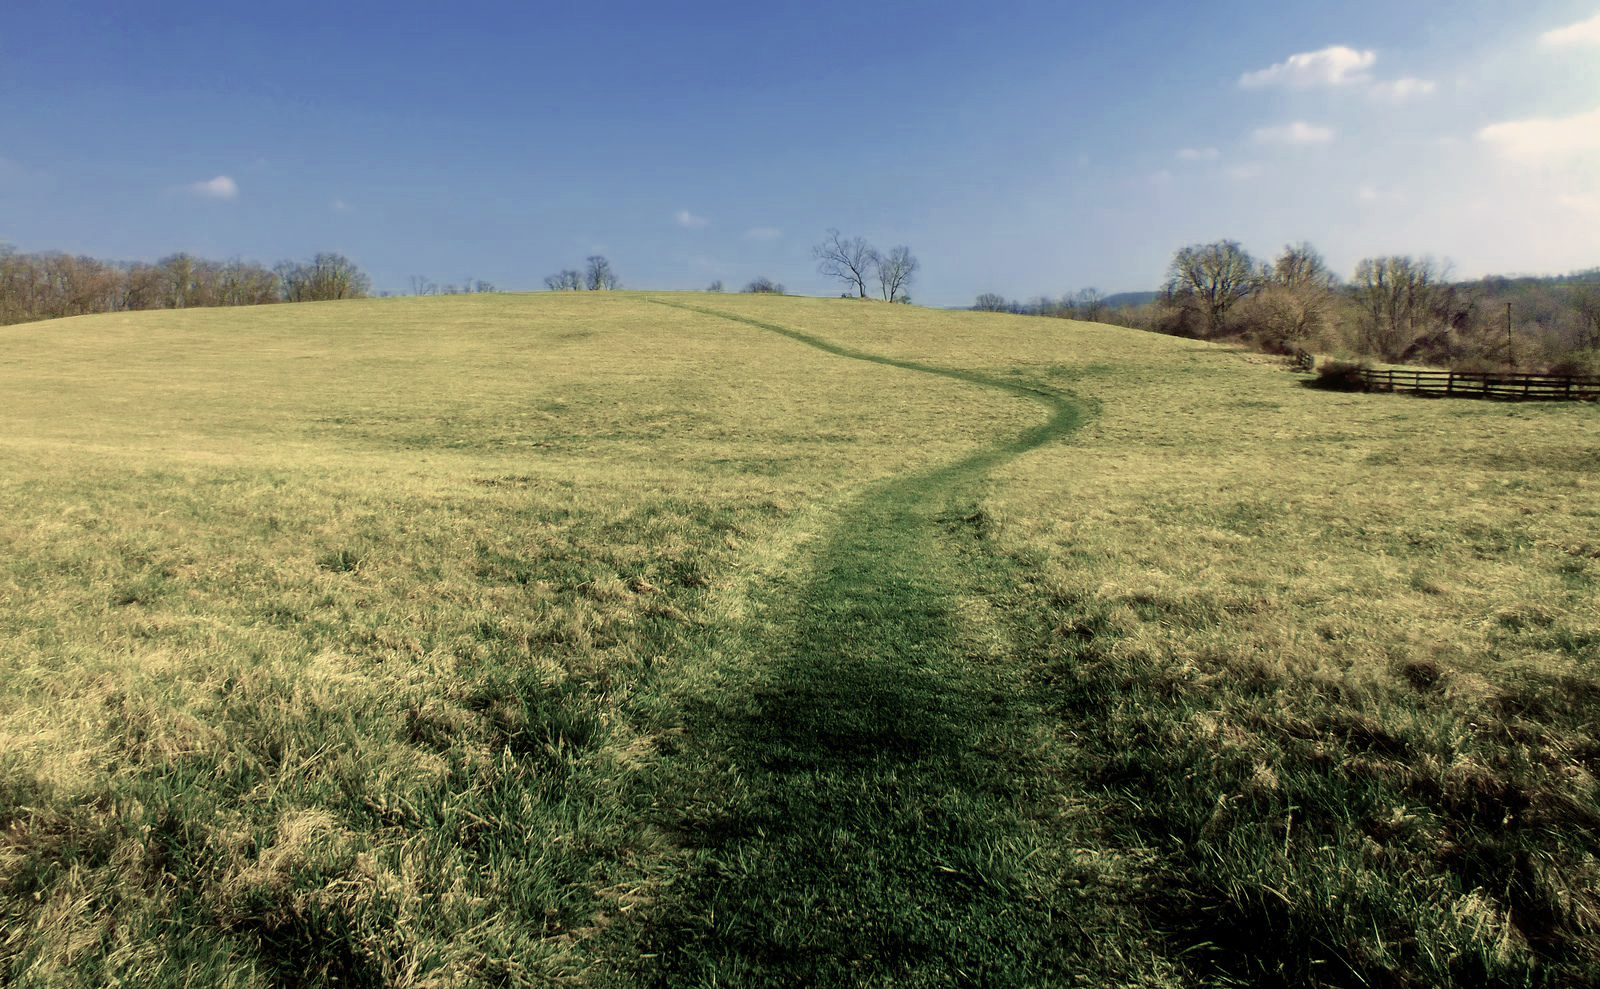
632,639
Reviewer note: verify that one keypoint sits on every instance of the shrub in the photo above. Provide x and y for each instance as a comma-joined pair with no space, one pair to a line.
1476,364
1339,375
1584,363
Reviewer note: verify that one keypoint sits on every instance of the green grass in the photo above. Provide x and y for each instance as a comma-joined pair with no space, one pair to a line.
689,640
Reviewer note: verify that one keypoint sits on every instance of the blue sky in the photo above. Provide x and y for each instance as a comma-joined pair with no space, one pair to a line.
1023,147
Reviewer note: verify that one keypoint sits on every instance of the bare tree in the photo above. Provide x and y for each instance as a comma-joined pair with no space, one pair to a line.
1293,307
565,280
1301,266
1089,304
1398,296
763,286
993,302
1208,279
245,283
850,260
326,276
896,271
190,281
716,286
1586,298
600,277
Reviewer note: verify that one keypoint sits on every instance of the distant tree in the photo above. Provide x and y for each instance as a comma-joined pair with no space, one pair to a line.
245,283
1586,300
896,271
850,260
1398,297
1207,279
1283,320
1301,266
565,280
144,287
715,286
480,286
334,276
1089,304
1292,308
763,286
325,277
599,276
190,281
991,302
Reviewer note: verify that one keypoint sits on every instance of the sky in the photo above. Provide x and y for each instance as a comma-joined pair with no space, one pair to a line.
1024,147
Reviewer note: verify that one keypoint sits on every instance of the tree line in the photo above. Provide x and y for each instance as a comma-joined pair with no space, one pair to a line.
52,285
1393,308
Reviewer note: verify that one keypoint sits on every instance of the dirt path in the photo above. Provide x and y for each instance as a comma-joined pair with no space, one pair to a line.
876,808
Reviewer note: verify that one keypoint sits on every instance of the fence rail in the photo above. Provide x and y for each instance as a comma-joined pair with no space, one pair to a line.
1464,384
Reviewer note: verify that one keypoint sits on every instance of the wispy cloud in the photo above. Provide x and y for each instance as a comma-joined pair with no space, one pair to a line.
1298,132
763,233
1336,65
220,187
1243,172
1400,90
340,206
1581,203
1199,154
1582,33
685,218
1544,137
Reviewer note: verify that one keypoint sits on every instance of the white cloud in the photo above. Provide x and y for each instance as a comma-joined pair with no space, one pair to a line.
220,187
1333,66
1298,132
688,219
1543,137
1241,173
763,233
1580,202
1400,90
1199,154
1161,179
1582,33
340,206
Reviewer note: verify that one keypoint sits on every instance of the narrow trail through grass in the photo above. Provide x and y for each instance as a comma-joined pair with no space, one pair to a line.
870,811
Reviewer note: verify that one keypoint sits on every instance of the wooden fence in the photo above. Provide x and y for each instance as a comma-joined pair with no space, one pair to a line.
1510,387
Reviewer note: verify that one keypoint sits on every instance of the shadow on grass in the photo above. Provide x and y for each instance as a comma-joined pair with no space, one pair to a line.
870,838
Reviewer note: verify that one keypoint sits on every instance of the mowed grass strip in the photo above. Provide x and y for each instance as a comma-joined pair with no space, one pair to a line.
863,808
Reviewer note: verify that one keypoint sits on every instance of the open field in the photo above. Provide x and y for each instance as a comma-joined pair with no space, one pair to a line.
601,638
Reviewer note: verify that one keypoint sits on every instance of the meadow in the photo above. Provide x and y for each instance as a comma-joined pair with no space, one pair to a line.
634,639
